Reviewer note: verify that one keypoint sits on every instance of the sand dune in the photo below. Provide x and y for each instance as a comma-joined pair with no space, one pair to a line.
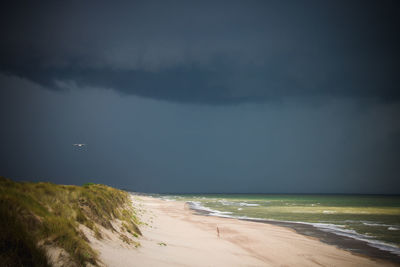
175,236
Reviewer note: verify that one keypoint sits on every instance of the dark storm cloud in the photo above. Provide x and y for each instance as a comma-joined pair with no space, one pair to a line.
208,52
157,146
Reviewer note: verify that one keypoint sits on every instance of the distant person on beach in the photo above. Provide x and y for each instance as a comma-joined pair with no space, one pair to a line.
217,231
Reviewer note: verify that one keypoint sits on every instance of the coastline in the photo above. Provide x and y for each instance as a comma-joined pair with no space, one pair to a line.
352,244
174,235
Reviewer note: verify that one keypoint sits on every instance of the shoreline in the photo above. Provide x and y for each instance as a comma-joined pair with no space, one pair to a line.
174,235
347,243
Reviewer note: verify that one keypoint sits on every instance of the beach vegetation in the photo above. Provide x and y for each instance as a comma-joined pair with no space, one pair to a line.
34,216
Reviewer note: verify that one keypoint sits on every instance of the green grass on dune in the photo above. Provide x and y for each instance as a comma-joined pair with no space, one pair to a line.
50,214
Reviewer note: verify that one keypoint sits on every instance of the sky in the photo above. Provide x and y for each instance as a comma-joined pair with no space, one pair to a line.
202,96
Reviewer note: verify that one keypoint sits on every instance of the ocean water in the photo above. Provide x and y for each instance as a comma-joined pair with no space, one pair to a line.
374,219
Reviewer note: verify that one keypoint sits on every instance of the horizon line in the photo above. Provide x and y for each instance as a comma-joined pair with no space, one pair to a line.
259,193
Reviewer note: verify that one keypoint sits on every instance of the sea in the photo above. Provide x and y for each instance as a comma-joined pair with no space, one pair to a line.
365,224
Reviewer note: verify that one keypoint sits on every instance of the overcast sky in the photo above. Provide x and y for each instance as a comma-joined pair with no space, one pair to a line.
198,96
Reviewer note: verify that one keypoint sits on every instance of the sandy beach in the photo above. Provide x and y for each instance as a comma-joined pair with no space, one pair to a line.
173,235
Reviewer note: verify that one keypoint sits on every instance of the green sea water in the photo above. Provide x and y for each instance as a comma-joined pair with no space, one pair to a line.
375,218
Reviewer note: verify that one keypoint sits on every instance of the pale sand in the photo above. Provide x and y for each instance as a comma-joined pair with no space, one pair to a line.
192,240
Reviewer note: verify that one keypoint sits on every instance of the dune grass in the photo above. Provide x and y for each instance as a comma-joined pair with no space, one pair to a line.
50,214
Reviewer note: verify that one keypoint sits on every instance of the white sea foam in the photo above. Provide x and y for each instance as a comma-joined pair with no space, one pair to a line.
248,204
226,203
374,224
230,203
389,226
340,230
197,206
329,211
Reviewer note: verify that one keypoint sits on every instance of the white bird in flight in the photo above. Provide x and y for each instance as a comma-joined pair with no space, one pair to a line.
79,145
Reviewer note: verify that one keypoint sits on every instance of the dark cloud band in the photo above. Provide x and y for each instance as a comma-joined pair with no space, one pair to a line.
208,53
